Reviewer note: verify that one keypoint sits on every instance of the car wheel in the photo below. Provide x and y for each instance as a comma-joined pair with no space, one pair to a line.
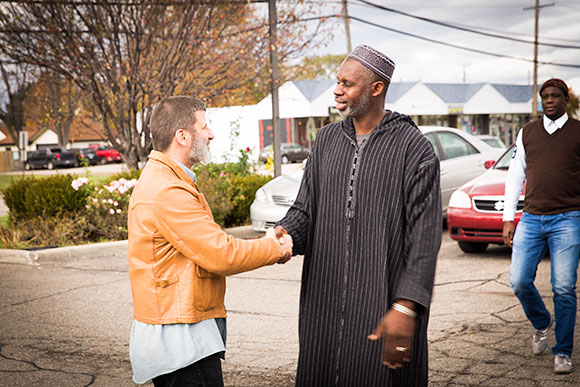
50,165
284,159
473,247
28,167
102,161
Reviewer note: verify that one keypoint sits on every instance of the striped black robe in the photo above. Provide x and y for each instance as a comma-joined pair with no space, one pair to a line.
368,221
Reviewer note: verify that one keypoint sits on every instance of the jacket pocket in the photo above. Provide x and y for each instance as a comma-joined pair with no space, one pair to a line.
165,282
210,290
166,291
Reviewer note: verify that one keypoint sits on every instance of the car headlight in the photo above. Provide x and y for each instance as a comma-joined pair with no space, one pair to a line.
460,199
262,196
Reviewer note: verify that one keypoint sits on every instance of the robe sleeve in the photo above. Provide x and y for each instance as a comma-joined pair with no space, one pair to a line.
299,216
422,231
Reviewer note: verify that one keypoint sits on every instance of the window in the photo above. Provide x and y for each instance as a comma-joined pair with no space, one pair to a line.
431,138
455,146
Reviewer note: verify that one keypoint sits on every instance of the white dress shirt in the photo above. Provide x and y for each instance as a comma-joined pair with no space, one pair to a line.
517,171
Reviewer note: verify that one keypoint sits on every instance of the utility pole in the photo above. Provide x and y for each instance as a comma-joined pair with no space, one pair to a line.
346,27
535,87
275,102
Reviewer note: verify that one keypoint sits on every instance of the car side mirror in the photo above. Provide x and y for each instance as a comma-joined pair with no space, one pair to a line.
489,163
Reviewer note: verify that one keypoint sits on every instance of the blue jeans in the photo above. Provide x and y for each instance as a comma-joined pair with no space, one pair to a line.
560,234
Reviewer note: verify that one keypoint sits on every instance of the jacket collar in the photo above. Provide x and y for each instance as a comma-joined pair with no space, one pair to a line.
172,165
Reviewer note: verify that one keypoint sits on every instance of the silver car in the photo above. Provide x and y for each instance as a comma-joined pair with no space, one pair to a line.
462,156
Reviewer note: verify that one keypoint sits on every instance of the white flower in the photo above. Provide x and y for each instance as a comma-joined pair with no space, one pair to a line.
115,203
111,211
118,210
78,183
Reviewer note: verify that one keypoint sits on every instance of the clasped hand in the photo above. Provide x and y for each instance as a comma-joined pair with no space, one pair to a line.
285,241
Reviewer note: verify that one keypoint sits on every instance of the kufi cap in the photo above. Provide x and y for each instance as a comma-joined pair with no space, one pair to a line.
374,60
555,82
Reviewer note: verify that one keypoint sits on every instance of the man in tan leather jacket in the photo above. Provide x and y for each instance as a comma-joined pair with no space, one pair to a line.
179,257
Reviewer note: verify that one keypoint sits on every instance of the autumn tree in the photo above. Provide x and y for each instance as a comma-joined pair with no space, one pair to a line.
128,55
53,103
16,81
319,67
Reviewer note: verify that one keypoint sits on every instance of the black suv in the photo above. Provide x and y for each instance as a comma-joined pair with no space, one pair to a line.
90,154
51,158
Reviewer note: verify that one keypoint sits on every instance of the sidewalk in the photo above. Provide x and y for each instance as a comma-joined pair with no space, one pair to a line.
66,315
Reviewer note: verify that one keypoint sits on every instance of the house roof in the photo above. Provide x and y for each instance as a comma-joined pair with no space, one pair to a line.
454,92
312,88
515,93
397,90
448,92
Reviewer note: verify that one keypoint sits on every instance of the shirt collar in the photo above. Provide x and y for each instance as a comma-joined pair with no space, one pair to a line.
188,171
552,126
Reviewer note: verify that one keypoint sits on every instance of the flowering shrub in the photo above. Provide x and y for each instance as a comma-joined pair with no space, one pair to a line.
30,197
106,208
63,209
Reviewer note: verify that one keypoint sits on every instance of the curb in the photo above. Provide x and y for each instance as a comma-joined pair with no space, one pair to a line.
94,250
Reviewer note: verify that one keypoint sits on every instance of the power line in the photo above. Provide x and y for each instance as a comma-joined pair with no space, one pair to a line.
448,25
460,47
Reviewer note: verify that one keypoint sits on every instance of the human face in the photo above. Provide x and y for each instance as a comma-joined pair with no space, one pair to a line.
201,136
353,90
554,102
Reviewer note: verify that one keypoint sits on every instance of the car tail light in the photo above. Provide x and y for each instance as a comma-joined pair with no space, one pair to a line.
489,163
58,156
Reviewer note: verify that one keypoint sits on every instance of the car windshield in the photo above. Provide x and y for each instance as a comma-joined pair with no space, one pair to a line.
494,142
504,160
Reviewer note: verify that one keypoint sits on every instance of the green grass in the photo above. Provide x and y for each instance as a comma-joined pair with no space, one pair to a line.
4,221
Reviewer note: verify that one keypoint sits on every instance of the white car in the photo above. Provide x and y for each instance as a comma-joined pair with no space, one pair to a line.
462,156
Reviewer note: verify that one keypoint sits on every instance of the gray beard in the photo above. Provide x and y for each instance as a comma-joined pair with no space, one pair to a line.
358,110
199,152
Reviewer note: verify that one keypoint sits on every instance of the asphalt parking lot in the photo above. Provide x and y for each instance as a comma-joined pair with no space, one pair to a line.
66,315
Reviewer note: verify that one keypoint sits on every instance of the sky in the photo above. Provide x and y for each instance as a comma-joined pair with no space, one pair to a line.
420,60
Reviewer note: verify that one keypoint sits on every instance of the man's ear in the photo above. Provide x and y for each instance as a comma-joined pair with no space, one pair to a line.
377,88
181,137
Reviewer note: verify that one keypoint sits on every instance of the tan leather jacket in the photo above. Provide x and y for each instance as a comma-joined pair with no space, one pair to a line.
178,255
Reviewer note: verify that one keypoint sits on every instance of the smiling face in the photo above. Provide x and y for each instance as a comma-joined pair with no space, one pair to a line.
554,102
353,91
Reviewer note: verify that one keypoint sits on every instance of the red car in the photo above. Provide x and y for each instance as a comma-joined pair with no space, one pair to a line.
475,210
106,154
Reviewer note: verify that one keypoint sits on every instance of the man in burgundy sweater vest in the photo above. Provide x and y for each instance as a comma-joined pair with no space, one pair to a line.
547,155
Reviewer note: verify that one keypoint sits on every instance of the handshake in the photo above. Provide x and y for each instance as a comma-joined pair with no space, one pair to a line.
285,240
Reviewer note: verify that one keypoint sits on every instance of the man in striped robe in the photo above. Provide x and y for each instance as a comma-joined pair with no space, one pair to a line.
368,221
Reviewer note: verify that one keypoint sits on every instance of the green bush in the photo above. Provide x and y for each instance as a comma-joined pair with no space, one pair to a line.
217,191
29,197
243,193
228,194
62,210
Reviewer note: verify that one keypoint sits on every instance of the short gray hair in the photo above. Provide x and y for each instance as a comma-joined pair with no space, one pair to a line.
171,114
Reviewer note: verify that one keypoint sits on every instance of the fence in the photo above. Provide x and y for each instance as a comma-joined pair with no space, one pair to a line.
6,161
